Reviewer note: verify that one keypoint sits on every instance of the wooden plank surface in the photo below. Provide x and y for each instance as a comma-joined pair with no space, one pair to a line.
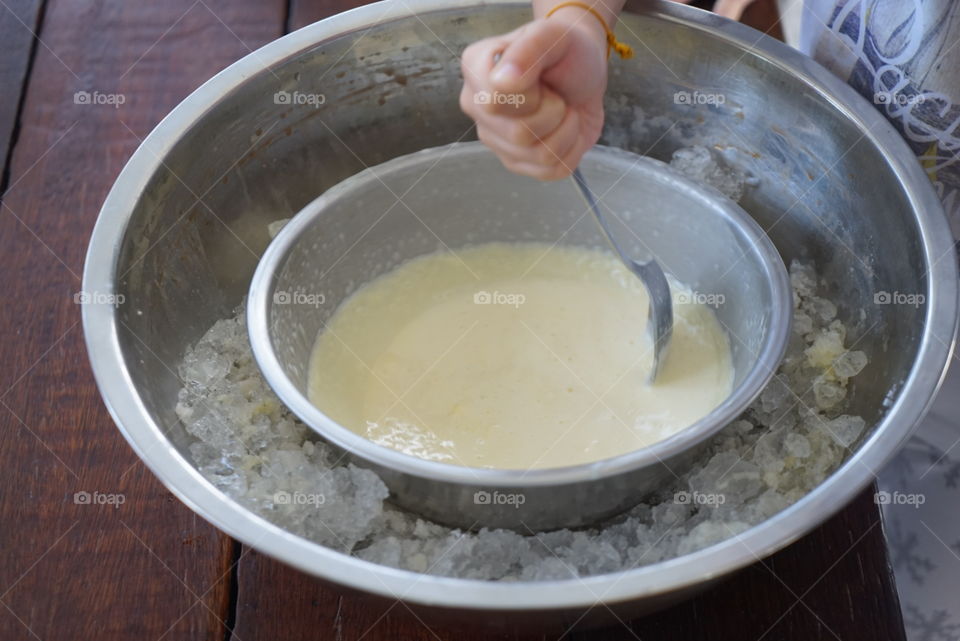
764,15
304,12
834,583
148,568
19,20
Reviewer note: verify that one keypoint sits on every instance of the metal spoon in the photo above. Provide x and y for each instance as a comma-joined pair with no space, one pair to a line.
660,309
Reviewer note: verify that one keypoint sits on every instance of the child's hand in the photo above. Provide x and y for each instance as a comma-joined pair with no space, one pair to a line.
540,107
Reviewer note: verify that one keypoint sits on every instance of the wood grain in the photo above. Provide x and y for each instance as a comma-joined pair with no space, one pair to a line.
304,12
19,21
149,568
833,583
764,15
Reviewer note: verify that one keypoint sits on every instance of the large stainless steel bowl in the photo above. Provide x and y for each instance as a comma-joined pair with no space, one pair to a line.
182,229
359,229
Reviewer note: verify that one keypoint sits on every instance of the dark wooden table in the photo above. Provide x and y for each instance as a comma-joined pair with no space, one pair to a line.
149,568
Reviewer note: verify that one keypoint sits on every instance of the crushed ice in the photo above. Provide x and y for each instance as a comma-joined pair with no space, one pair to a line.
255,451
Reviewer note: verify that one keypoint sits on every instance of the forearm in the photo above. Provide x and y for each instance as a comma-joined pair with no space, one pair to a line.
609,9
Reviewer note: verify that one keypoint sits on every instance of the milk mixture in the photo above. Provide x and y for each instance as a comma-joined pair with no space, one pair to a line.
514,356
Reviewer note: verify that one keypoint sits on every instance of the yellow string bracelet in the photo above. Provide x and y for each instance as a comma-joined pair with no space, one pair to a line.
623,50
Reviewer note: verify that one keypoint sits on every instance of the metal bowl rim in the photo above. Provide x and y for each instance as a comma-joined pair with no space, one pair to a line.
146,437
264,282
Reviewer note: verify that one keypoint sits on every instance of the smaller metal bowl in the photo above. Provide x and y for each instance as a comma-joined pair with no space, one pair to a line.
460,195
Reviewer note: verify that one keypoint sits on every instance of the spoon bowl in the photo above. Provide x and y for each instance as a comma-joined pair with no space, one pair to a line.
660,311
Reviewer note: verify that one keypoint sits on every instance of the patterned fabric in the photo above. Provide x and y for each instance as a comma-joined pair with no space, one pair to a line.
904,56
920,493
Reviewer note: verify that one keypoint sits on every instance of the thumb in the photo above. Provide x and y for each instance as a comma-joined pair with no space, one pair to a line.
538,46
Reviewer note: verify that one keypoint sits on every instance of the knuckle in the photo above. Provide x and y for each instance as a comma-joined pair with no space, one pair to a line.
543,155
491,138
519,133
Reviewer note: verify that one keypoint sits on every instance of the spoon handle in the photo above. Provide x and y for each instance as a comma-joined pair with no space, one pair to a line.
660,308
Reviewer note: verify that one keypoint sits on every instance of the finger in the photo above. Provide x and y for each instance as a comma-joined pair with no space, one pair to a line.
481,103
559,171
563,140
547,152
534,170
468,102
505,149
478,59
479,62
571,160
512,156
527,130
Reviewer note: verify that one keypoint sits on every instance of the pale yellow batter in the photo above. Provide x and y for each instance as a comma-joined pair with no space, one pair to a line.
514,356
